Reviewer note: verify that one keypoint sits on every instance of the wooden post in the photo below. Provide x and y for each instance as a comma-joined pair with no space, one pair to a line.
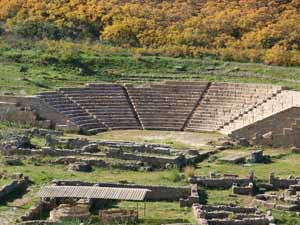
137,206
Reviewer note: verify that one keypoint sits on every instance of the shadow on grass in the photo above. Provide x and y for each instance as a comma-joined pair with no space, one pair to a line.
13,196
37,84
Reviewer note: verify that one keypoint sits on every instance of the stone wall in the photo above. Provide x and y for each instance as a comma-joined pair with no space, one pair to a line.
158,193
11,112
37,105
155,161
221,215
245,190
34,213
282,183
279,130
220,183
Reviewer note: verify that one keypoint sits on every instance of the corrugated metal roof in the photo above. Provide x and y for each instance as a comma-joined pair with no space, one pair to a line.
129,194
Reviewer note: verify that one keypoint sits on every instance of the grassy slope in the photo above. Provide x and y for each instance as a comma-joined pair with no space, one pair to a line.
49,69
121,66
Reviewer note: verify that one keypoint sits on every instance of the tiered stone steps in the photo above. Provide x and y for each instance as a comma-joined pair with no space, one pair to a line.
76,114
190,106
107,102
224,102
165,106
279,102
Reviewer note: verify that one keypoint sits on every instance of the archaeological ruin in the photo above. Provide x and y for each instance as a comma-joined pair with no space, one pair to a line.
79,174
250,111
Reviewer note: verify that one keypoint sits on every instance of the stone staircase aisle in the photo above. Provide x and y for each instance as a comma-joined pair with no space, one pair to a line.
280,101
72,111
223,102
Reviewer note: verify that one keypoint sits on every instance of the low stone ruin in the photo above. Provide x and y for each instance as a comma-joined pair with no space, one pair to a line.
192,198
256,156
282,183
118,216
12,161
80,167
259,157
235,159
70,211
13,142
249,189
39,132
289,200
34,213
229,215
221,181
103,162
111,154
63,208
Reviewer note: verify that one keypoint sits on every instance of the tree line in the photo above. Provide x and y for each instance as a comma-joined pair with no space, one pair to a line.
265,31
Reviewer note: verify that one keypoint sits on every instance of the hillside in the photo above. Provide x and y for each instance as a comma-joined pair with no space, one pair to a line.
245,30
52,64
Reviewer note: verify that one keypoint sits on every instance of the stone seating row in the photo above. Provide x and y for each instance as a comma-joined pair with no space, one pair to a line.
165,106
106,102
221,104
199,106
86,122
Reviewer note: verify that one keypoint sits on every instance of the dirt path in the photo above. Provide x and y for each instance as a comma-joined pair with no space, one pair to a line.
173,138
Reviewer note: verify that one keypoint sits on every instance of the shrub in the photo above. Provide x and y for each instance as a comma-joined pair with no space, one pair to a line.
174,175
278,55
189,171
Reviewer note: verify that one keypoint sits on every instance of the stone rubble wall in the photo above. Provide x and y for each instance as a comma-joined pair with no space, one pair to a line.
219,183
203,215
12,112
34,213
246,190
279,130
43,110
280,183
124,165
156,161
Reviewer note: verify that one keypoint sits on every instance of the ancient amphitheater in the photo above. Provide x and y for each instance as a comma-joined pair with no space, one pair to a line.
78,170
266,114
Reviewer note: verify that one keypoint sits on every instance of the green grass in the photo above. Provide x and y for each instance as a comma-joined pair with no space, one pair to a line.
287,164
52,67
284,163
178,140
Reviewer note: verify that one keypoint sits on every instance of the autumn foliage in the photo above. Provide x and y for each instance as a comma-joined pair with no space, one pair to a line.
244,30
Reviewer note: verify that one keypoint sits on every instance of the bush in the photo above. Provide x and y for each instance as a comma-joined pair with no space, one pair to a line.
278,55
174,175
189,171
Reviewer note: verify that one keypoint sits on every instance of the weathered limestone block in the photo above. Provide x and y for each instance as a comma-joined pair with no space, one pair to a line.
80,167
119,216
90,148
244,190
66,211
279,183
